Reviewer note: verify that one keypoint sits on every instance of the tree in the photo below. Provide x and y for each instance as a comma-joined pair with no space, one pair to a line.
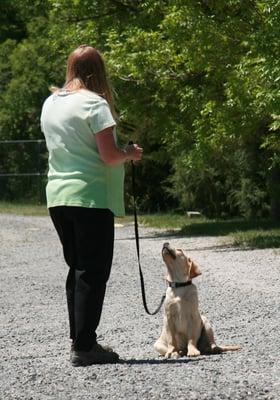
196,84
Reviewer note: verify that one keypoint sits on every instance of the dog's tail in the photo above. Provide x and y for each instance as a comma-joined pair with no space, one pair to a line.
222,349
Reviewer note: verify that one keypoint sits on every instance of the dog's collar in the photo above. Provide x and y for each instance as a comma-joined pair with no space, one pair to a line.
175,285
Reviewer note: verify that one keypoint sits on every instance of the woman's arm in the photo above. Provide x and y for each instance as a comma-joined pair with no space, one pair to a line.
111,154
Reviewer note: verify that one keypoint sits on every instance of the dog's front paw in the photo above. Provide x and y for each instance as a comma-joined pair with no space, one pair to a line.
168,354
193,352
172,354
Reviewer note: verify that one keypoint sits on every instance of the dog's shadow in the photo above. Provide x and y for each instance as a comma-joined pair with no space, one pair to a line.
182,360
159,361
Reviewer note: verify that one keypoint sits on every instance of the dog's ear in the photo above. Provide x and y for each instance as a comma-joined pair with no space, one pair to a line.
194,269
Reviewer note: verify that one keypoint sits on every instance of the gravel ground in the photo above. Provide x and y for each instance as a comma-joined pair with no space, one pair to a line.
238,290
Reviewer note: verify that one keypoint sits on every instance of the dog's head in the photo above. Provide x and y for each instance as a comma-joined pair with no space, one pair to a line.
179,266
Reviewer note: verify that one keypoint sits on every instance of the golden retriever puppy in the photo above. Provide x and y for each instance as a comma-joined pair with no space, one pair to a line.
185,331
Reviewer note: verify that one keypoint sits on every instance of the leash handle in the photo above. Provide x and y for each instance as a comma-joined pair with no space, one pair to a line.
138,247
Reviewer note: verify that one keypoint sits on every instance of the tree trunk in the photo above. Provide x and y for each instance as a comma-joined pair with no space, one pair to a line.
274,190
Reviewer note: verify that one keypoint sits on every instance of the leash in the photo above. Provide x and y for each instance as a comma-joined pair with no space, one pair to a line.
138,247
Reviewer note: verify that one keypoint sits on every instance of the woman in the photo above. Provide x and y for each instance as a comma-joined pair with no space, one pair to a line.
85,191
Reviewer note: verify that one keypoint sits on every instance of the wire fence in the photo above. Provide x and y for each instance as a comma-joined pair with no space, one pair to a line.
23,169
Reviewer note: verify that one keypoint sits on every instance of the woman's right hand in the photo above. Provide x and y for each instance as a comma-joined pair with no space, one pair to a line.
111,154
134,152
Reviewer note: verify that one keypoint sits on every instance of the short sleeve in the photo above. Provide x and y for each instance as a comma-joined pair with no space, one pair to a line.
100,116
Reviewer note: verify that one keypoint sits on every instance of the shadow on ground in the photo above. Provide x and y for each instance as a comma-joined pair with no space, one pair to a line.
159,361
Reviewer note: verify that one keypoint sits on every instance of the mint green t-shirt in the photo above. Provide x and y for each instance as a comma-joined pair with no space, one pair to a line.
77,176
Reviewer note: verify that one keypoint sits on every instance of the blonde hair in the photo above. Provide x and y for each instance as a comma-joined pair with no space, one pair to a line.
86,70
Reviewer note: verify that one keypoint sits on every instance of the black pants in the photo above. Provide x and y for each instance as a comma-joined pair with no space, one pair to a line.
87,237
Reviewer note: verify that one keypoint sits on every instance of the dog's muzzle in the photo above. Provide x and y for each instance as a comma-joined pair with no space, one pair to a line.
167,248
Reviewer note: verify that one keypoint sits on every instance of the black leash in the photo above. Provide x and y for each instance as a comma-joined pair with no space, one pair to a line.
138,247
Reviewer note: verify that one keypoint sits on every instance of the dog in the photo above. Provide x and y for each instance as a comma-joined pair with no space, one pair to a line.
185,331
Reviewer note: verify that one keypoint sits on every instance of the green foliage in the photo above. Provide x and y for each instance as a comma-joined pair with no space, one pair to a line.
197,84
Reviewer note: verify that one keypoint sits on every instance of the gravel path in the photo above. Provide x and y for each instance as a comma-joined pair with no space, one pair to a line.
238,290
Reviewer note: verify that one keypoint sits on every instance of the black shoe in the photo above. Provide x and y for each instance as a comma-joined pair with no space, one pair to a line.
97,355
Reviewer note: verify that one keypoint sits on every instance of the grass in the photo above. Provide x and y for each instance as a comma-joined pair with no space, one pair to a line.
23,208
260,233
257,233
164,221
257,239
